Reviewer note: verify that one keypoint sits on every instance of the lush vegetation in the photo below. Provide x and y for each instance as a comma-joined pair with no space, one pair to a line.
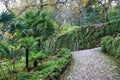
88,36
23,50
110,45
36,36
50,66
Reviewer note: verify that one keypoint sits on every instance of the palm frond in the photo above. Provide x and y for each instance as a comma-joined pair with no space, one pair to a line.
6,17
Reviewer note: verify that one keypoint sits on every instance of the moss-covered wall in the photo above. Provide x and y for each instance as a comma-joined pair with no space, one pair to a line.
87,36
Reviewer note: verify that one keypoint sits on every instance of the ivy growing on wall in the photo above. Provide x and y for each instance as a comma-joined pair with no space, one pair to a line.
88,36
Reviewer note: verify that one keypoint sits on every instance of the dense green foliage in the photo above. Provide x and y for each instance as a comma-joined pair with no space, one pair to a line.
88,36
34,41
6,52
49,67
111,46
23,51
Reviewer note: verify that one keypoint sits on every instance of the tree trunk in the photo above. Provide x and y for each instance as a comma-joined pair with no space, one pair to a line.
35,63
76,45
27,56
106,14
41,4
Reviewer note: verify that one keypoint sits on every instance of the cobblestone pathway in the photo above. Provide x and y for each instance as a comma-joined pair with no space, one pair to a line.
93,65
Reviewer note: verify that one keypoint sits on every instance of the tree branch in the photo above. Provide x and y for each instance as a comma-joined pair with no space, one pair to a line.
57,2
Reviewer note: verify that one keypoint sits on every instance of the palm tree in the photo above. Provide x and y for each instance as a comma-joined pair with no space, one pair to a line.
38,25
6,19
27,42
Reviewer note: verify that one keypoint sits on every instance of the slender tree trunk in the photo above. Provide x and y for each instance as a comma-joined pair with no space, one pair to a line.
106,15
35,63
41,4
27,56
76,45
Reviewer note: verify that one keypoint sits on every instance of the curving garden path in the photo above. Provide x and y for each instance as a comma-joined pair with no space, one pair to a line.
93,65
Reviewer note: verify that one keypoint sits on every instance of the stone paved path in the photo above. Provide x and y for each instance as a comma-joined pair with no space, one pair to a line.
93,65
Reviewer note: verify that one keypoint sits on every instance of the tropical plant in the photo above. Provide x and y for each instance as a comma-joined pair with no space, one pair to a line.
38,25
27,43
35,24
6,19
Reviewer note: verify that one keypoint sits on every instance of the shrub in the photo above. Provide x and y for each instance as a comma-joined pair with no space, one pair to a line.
64,52
39,55
111,46
51,68
103,43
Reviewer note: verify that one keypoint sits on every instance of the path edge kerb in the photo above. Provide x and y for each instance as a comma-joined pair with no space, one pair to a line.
66,69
